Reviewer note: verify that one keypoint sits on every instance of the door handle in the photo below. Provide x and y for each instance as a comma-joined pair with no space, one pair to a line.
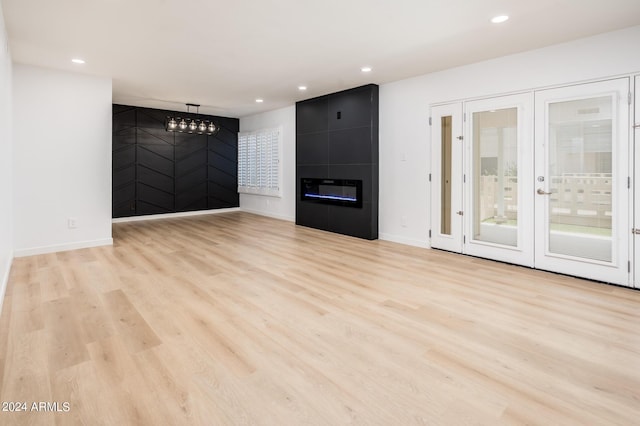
541,191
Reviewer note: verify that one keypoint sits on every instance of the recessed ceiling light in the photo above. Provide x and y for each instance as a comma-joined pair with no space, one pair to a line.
499,19
302,88
365,69
259,101
77,61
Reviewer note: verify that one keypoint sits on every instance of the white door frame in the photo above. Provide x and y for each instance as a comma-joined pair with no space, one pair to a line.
635,158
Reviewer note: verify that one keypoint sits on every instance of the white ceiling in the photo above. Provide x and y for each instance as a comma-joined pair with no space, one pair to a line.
225,54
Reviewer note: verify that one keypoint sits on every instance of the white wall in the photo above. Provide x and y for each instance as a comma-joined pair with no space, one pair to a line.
62,160
285,207
404,112
6,169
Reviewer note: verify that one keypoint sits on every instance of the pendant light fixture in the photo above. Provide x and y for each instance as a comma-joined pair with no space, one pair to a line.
190,124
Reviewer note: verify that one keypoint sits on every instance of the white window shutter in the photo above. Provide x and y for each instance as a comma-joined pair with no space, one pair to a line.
259,162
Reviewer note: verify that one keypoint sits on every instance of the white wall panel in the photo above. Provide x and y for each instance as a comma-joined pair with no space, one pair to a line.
279,207
62,160
6,166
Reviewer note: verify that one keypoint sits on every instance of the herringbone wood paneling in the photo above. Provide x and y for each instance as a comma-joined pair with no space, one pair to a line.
155,171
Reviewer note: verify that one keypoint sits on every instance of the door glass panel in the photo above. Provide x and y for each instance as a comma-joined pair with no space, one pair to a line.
445,205
495,176
580,173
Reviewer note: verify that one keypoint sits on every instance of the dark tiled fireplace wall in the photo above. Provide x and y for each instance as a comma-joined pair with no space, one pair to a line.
337,138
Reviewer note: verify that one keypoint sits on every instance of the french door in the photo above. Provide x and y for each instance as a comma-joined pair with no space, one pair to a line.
482,163
583,181
554,196
498,173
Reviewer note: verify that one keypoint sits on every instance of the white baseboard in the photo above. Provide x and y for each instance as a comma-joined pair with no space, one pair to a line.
5,280
404,240
173,215
267,214
63,247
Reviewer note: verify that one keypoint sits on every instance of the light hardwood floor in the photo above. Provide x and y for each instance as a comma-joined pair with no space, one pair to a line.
239,319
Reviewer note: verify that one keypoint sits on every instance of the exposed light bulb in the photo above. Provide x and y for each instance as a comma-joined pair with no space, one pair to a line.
193,125
211,128
183,124
202,127
172,123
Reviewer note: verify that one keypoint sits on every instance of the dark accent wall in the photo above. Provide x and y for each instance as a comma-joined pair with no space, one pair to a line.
337,138
155,171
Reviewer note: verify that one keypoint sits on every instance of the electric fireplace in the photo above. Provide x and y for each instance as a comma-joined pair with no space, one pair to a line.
341,192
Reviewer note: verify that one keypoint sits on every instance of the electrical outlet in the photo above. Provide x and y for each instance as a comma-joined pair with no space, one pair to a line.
72,222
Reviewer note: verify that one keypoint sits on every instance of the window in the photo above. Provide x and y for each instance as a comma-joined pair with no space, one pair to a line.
259,162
